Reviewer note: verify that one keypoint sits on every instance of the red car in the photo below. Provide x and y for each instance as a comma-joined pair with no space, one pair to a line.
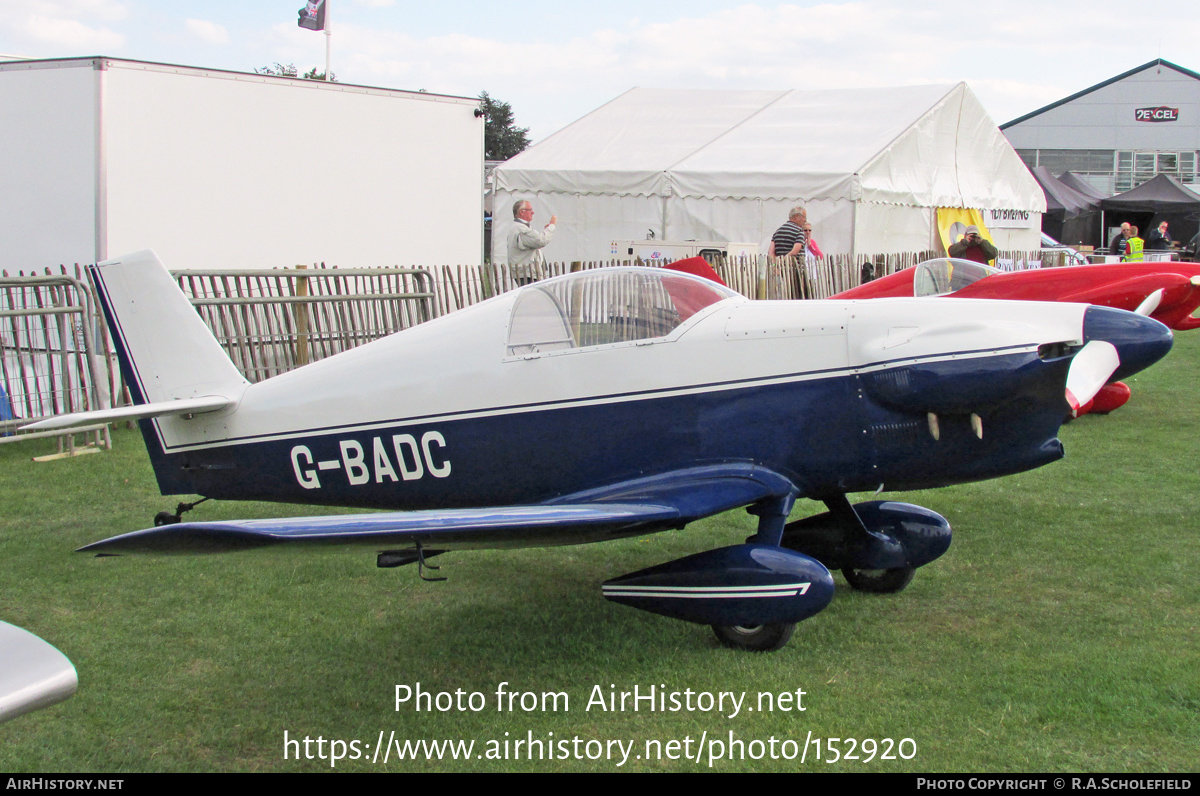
1169,292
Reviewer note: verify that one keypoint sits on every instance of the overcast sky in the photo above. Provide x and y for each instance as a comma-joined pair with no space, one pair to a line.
555,61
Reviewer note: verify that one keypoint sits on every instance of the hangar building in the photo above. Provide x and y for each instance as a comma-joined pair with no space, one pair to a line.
1120,133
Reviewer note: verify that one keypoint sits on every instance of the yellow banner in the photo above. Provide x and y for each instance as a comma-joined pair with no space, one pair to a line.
953,223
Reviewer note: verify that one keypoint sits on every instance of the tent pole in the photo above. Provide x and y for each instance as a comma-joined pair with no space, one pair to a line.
853,232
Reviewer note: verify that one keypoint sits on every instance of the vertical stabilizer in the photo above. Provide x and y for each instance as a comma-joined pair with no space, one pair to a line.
167,353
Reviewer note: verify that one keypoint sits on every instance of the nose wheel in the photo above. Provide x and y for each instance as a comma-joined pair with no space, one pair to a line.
758,638
879,581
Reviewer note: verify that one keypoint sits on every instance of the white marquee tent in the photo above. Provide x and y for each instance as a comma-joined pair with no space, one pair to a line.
871,165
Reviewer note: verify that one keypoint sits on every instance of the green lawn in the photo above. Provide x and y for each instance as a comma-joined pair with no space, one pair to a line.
1058,633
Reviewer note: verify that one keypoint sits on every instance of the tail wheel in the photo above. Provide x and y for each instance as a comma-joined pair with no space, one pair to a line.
880,581
758,638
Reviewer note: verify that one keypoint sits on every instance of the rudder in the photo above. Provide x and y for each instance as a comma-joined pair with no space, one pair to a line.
165,350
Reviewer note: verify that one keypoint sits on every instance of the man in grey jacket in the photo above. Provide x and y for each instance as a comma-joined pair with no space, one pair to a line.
525,244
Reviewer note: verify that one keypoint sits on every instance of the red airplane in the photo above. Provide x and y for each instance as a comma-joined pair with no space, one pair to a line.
1169,292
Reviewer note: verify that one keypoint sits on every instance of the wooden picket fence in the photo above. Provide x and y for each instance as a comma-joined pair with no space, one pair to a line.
458,286
270,322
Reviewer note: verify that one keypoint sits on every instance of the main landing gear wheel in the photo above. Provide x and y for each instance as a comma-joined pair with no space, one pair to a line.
880,581
759,638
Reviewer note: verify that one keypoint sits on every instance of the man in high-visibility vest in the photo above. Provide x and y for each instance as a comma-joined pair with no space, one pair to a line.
1134,247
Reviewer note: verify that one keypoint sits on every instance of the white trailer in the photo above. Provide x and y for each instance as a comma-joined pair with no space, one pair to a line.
213,169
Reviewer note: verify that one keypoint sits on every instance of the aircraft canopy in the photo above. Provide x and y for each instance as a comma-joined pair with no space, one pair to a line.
605,306
942,276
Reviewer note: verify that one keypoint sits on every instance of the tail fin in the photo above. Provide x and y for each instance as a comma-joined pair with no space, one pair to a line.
170,360
166,351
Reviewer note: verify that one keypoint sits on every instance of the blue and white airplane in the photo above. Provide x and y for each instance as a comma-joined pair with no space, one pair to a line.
614,403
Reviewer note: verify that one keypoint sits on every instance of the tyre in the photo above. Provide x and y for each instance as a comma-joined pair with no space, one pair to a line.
880,581
759,638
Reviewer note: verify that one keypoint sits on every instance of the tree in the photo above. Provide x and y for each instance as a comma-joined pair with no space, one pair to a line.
279,70
313,74
501,137
289,70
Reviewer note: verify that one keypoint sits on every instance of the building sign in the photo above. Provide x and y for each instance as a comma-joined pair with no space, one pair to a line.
1160,114
1012,219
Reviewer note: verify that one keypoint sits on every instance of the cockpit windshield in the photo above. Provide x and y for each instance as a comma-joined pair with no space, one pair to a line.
946,275
607,305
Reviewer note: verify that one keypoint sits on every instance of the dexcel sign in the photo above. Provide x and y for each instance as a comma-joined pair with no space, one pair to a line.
1160,114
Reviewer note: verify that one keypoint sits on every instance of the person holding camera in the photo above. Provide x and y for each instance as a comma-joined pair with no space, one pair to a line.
974,247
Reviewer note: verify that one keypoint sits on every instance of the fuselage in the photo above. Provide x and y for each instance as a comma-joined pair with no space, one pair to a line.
834,395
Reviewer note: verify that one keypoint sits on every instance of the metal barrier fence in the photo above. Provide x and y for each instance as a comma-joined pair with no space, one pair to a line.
49,357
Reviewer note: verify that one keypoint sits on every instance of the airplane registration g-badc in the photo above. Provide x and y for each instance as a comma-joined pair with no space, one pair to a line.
618,402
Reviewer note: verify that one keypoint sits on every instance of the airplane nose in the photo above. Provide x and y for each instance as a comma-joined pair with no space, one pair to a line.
1140,341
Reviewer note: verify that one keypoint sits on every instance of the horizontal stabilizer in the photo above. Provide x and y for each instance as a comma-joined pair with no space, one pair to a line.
187,406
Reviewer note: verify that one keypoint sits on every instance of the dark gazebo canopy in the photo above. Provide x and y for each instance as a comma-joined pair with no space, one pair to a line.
1163,194
1073,180
1062,199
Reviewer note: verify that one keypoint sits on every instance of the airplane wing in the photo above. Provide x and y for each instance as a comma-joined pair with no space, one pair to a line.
33,674
634,507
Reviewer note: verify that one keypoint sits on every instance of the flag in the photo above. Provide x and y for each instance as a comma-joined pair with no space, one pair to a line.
312,16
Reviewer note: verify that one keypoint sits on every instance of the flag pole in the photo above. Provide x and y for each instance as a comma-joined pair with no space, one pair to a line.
328,33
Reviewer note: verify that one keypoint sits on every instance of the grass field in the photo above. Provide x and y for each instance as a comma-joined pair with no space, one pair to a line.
1059,633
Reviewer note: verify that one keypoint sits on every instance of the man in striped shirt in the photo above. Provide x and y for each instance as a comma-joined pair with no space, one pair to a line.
790,240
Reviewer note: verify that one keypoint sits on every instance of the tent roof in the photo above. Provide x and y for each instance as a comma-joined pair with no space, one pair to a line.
1159,194
1073,180
1061,198
914,145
